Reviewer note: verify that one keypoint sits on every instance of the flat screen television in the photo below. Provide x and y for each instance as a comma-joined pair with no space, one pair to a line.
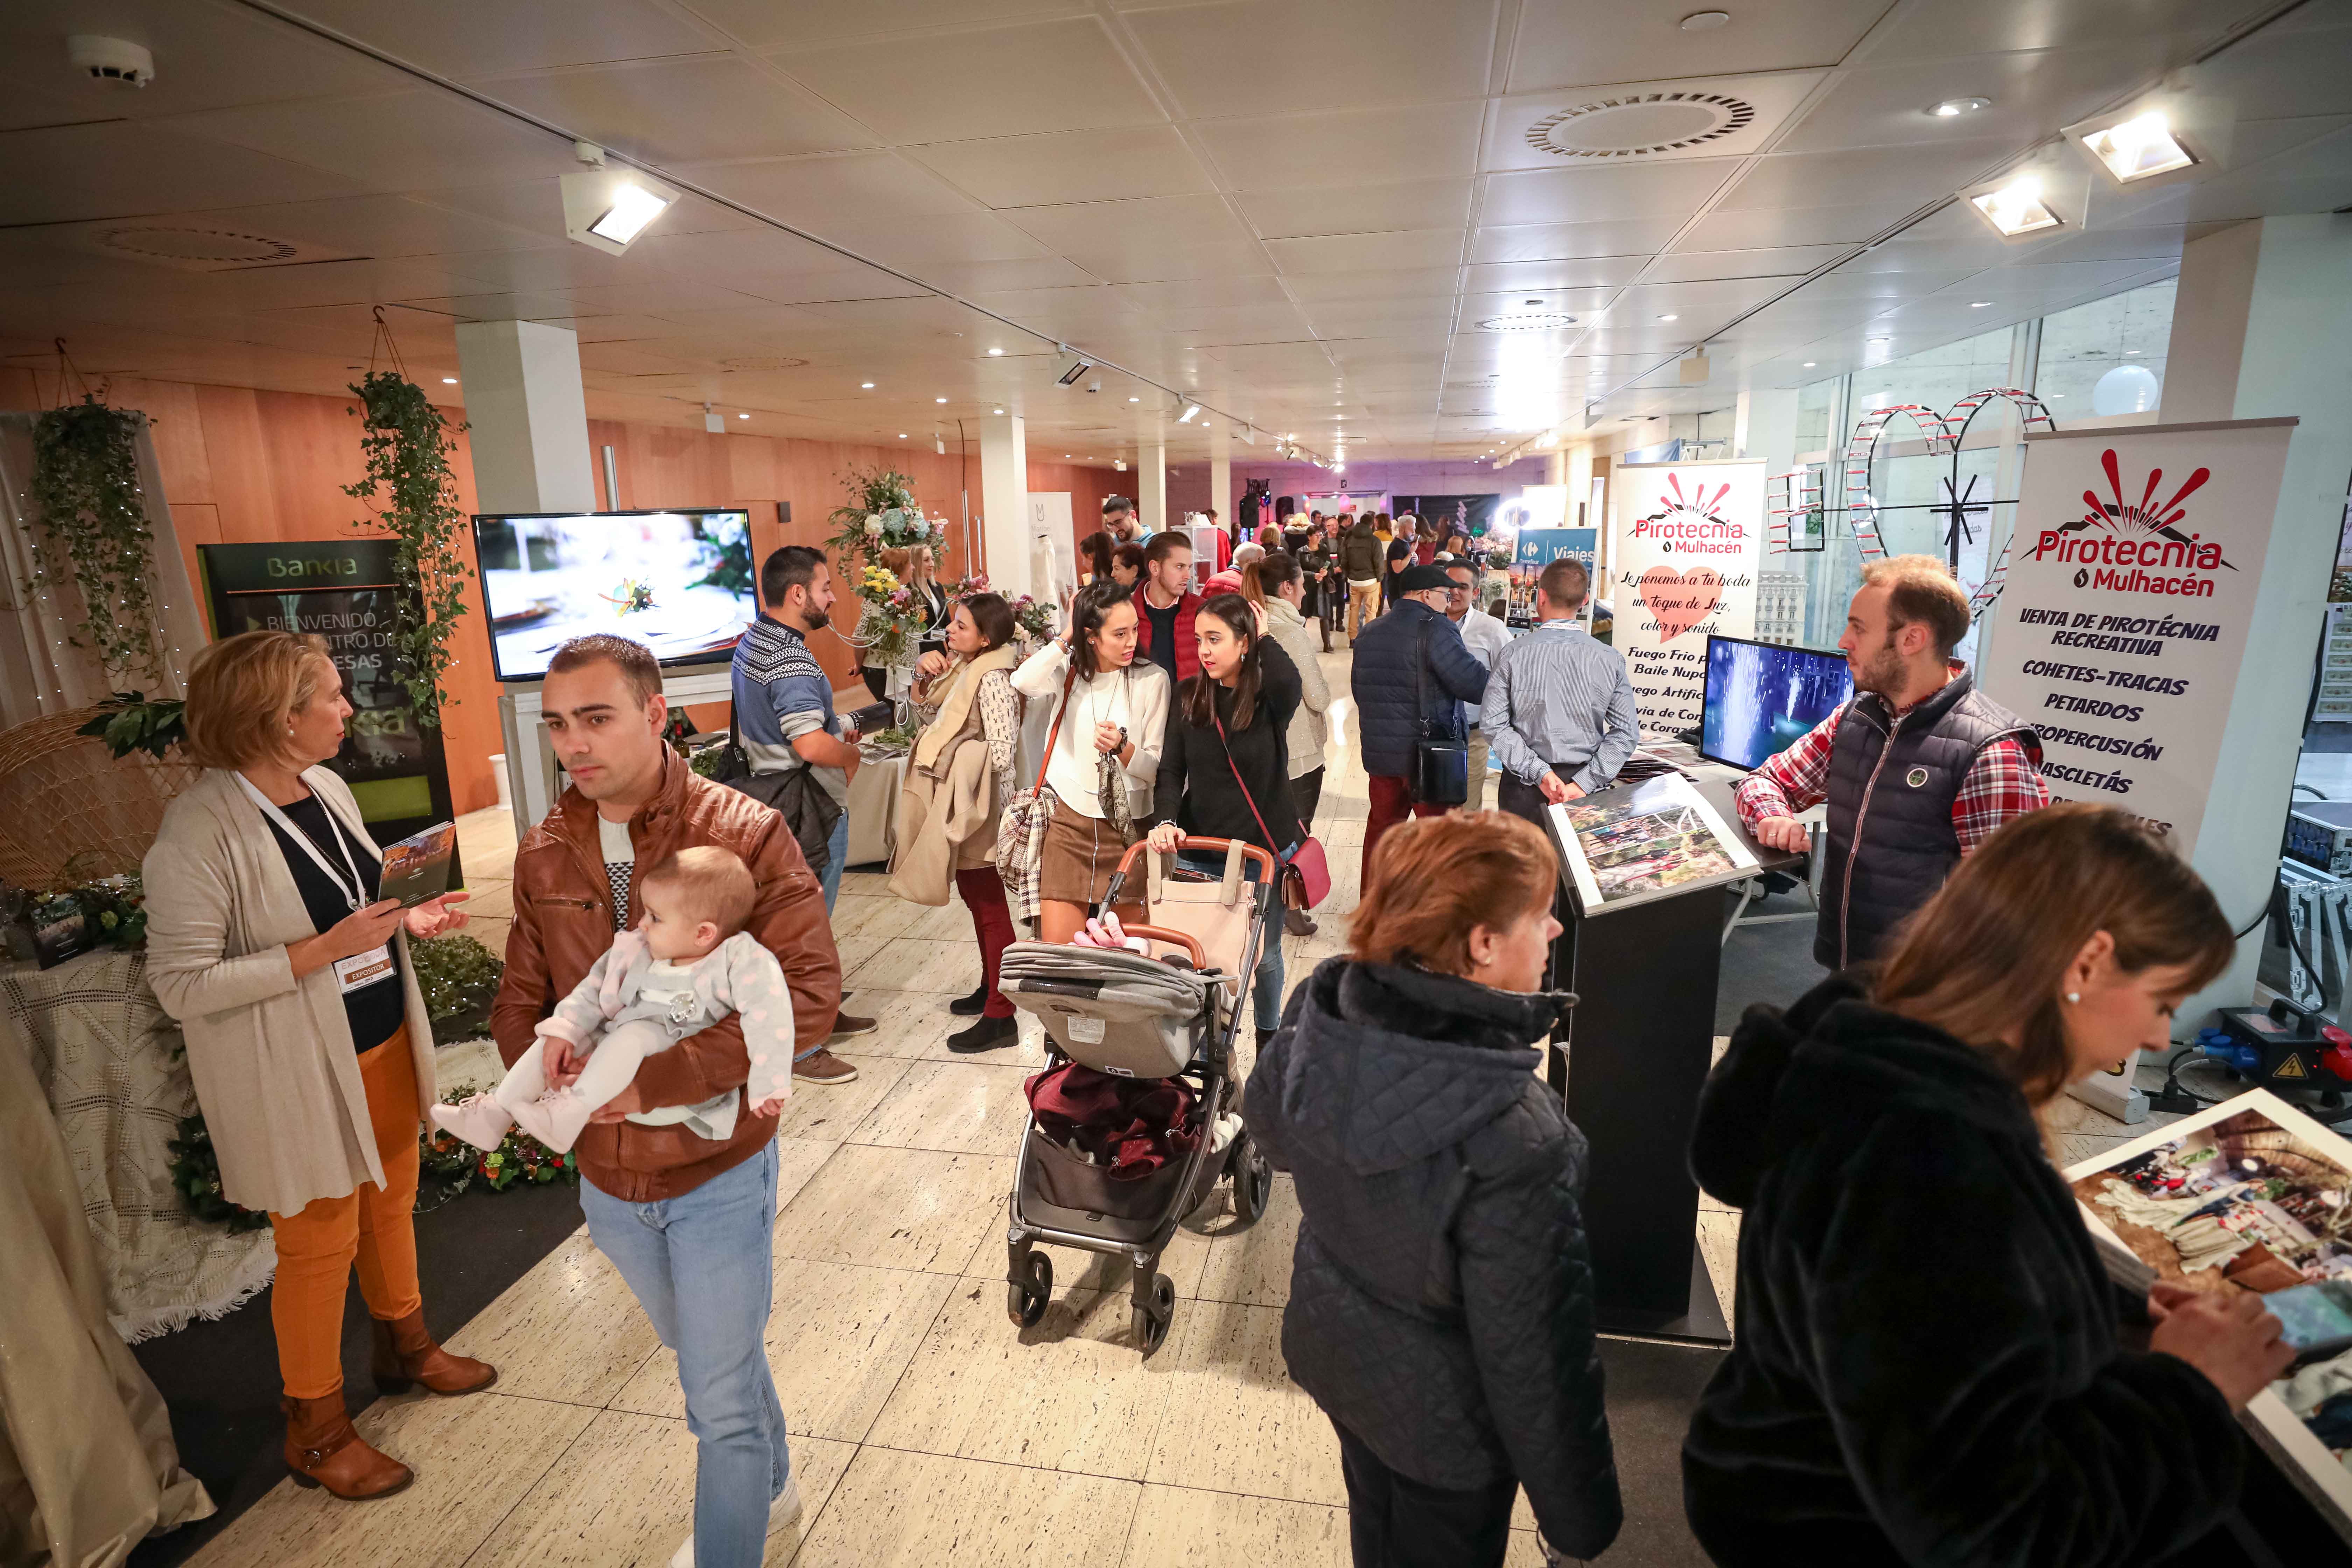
679,581
1762,697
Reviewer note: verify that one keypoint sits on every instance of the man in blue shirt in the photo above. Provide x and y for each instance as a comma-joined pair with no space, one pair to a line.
1559,711
785,721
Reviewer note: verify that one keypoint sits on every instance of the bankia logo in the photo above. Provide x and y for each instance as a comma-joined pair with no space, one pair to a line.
2136,547
1693,523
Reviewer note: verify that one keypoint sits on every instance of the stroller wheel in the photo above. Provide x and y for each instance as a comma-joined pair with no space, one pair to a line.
1253,1183
1152,1315
1027,1297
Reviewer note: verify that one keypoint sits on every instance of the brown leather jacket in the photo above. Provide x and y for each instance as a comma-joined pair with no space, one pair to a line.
563,921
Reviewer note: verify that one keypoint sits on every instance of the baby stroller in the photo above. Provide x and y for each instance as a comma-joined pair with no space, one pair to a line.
1169,1015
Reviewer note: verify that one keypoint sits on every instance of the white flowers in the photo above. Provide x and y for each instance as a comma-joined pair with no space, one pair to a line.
873,525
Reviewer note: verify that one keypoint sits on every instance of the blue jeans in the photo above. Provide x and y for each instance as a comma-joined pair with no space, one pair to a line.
836,850
1266,987
702,1266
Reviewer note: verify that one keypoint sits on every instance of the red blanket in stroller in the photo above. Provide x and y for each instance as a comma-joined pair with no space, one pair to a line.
1133,1126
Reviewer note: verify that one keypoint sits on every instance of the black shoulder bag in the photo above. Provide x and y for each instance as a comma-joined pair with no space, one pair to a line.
1441,770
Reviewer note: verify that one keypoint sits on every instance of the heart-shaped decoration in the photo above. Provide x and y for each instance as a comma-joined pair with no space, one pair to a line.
1678,601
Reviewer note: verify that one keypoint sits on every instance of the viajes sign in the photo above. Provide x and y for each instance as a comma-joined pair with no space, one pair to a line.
1689,540
2131,589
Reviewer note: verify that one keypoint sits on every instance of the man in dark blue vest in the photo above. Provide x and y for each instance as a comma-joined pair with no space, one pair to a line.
1918,769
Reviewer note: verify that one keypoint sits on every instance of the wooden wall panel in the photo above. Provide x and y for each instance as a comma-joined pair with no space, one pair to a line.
238,454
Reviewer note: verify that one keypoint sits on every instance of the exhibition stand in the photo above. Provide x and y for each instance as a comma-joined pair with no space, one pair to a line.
1631,1055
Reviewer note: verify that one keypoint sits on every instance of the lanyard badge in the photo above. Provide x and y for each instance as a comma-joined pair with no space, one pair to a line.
351,889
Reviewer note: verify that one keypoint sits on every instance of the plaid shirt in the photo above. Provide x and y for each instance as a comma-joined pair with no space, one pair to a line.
2003,783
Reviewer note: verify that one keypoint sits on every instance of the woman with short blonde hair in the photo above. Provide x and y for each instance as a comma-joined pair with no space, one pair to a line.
307,1036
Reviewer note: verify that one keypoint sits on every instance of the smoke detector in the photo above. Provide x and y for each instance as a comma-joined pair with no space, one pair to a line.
1640,125
110,60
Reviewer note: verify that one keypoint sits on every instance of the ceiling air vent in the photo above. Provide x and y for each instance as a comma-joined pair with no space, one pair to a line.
203,250
1527,321
1640,125
762,362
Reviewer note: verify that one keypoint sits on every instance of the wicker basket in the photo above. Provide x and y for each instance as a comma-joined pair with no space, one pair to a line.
69,812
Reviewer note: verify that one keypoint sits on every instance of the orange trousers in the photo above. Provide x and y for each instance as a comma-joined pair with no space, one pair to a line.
374,1226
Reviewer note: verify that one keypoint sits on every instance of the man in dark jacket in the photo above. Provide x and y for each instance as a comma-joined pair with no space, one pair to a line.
1359,561
1440,1299
1409,678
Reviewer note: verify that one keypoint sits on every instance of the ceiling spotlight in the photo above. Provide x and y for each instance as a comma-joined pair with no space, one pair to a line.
1190,408
607,209
1808,364
994,353
449,381
1670,317
938,400
1134,400
1875,343
866,385
996,411
1705,21
743,417
2129,352
1070,367
1978,304
1953,108
2138,148
902,435
2017,207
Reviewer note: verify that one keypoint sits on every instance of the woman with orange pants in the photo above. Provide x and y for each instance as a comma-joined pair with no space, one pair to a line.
306,1035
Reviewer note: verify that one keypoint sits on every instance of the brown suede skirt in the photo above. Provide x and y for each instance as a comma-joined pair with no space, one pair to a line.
1081,853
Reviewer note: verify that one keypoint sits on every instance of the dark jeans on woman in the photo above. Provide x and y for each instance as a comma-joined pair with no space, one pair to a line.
982,889
1395,1521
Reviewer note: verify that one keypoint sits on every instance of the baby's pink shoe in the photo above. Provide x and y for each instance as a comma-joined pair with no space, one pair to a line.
556,1119
479,1119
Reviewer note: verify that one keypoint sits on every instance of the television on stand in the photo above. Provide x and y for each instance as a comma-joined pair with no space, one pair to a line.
678,579
1761,697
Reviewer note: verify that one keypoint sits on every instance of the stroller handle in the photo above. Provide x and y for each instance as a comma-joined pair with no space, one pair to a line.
1267,865
1163,934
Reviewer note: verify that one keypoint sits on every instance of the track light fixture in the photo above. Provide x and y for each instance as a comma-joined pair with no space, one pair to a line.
2139,148
607,209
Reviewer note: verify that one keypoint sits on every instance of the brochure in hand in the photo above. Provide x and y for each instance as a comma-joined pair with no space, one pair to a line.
417,868
1653,839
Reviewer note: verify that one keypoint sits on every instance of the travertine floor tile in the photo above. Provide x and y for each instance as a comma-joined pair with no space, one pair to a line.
486,897
1071,1393
905,963
825,1112
897,1509
838,1339
569,1330
897,1209
965,1107
1235,1422
1176,1527
853,915
798,1158
492,934
855,950
1253,1266
917,1024
474,1457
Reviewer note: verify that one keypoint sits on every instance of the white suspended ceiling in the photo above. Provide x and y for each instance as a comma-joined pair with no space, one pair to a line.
1300,209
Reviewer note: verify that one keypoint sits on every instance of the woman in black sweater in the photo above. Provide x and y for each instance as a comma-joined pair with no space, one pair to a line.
1225,765
1927,1367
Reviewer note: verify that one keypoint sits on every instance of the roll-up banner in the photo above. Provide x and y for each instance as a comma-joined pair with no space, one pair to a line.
2132,580
1689,540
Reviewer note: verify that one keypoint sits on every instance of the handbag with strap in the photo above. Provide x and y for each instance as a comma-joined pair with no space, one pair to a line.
1021,831
1441,770
1305,874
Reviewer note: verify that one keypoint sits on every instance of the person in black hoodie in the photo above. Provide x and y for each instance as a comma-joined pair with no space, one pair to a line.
1441,1297
1225,764
1926,1366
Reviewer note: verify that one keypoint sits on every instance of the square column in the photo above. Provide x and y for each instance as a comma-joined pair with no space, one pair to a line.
529,416
1004,502
1152,482
1220,476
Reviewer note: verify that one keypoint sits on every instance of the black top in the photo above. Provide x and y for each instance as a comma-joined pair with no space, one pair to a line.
376,1012
1440,1297
1163,651
1196,789
1927,1368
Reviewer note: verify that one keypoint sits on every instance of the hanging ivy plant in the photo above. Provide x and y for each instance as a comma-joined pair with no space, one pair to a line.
407,445
93,531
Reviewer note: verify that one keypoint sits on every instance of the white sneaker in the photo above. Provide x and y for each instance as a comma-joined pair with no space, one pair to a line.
781,1514
479,1119
556,1119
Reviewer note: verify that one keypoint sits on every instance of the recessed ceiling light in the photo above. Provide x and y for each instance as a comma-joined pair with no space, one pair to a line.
902,435
1875,342
2057,394
1670,317
1134,400
1978,304
2140,147
2128,353
1808,364
938,400
866,385
449,381
993,352
1953,108
1705,21
743,417
996,411
2017,208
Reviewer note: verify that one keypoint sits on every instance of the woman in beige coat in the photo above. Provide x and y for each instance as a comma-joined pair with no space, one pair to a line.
306,1035
959,778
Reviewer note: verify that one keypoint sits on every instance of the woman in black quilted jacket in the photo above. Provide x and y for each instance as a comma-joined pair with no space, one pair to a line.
1441,1299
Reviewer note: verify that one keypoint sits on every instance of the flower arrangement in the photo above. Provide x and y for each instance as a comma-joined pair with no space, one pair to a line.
885,619
880,514
1035,618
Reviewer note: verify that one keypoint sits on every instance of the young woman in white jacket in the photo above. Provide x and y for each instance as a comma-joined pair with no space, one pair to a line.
1116,707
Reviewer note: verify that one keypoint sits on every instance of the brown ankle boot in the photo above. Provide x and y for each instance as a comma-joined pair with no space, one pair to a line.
323,1449
405,1356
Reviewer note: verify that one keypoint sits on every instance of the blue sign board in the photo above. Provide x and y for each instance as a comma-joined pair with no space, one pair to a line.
1539,548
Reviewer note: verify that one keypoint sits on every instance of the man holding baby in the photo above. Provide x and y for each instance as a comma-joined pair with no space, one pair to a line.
687,1217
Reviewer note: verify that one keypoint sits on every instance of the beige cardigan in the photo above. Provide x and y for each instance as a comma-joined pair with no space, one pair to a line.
272,1056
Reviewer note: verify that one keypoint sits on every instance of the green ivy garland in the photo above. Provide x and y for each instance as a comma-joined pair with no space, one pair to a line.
93,528
407,445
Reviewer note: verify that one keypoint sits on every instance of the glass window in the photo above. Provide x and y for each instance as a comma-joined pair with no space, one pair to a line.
1935,377
2106,357
1814,405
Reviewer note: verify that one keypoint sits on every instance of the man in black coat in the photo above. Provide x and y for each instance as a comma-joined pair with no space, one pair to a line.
1411,677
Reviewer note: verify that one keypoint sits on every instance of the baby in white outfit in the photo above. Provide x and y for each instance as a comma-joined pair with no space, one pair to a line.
685,965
